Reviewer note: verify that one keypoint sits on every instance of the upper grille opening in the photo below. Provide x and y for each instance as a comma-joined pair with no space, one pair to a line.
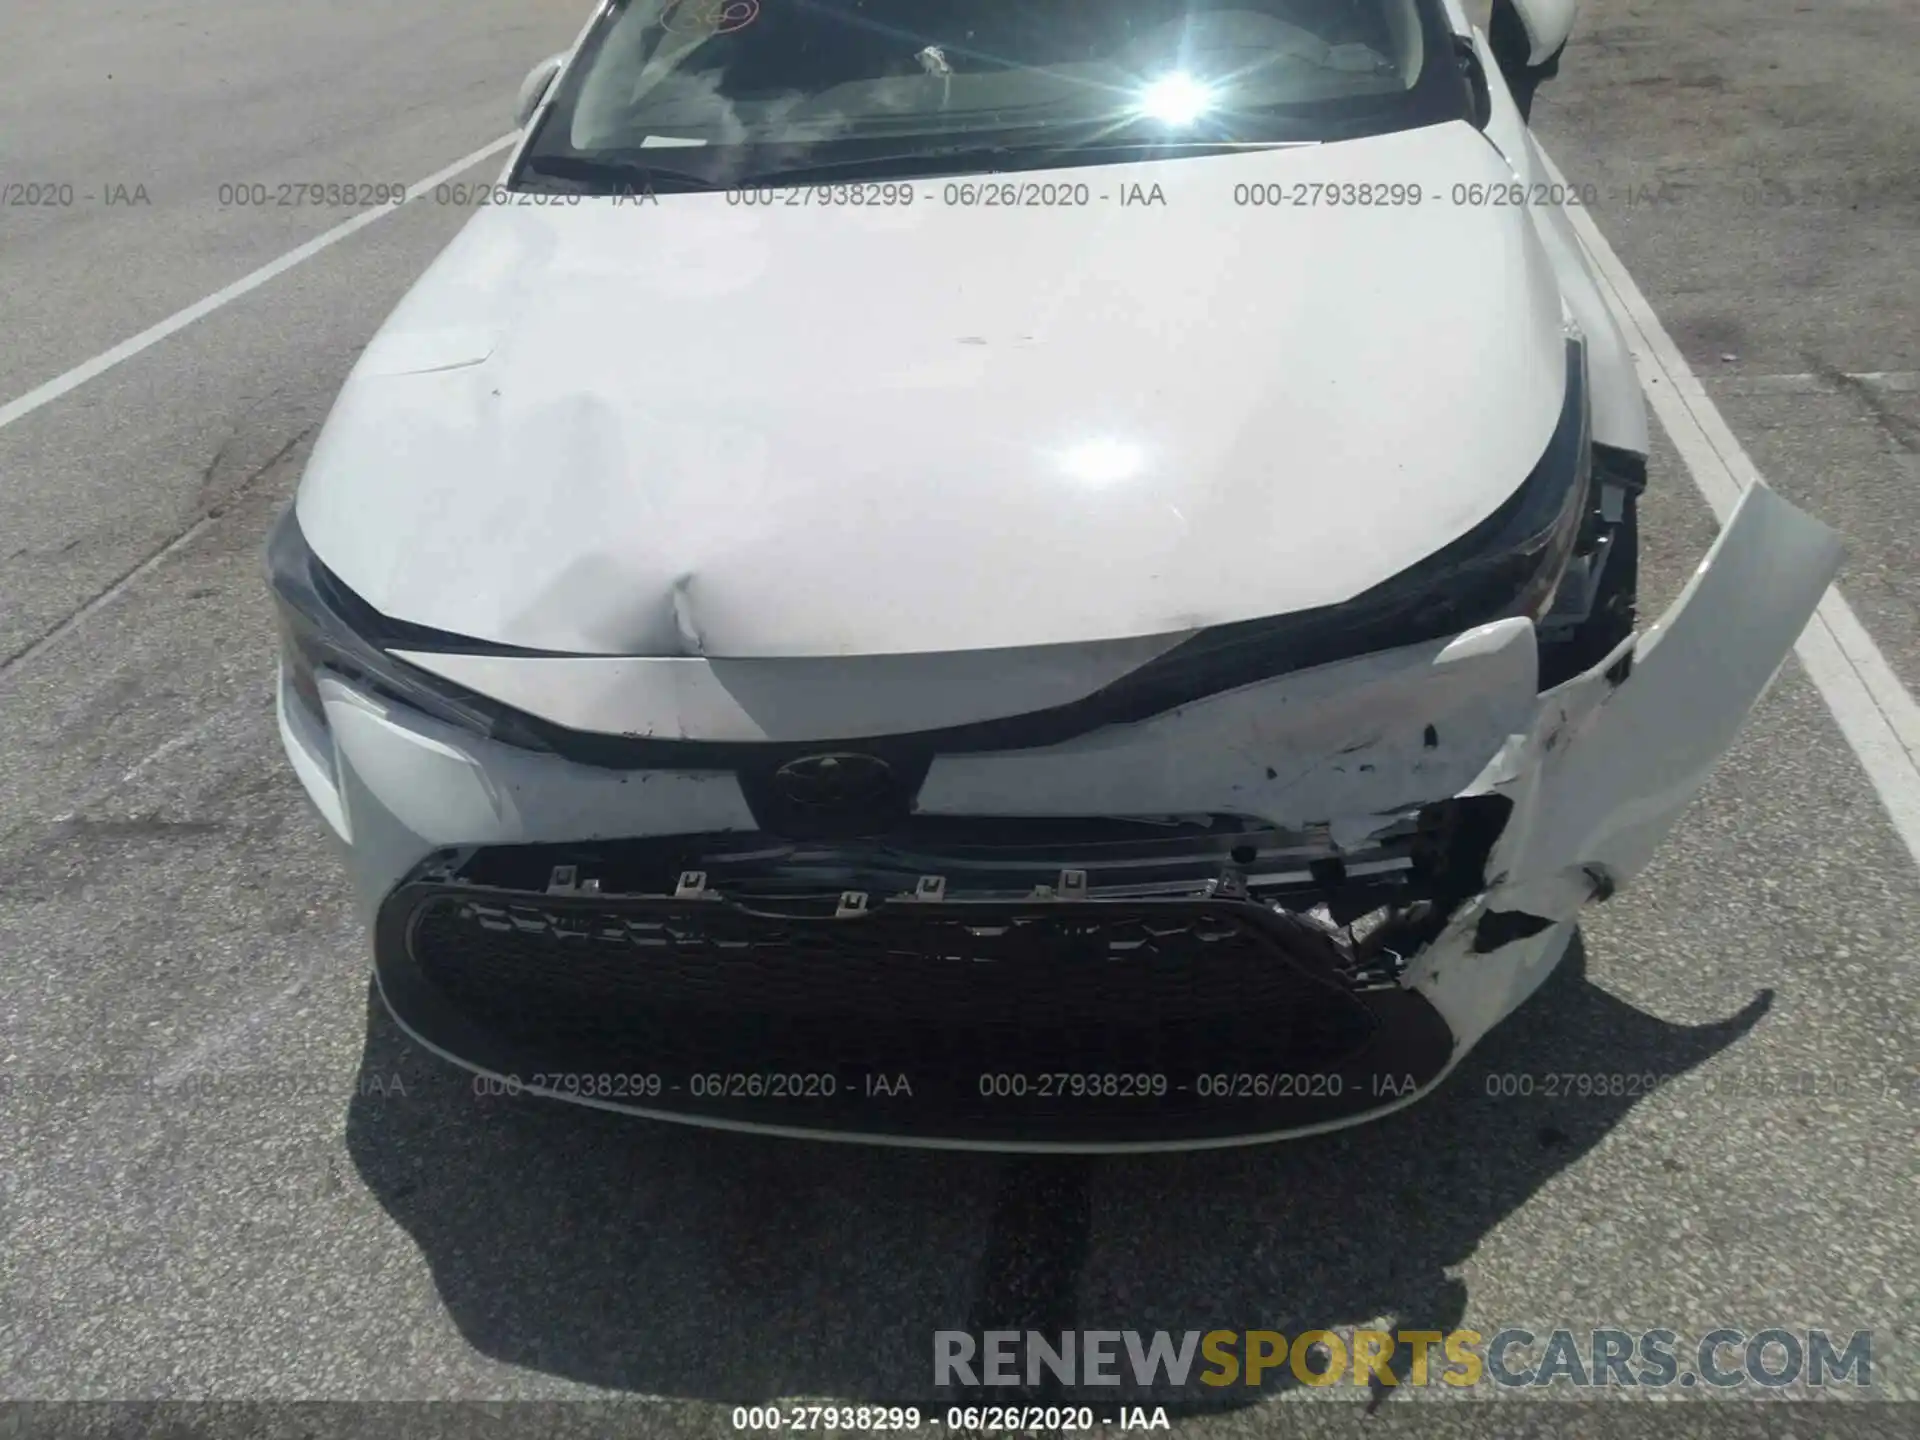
984,858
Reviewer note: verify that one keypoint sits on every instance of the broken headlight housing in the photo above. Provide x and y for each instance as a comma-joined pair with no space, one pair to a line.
325,627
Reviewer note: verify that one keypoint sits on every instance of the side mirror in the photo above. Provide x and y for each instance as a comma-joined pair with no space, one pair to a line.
1526,37
1547,23
534,89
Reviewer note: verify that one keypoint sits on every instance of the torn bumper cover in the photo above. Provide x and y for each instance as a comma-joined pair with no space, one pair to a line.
1276,910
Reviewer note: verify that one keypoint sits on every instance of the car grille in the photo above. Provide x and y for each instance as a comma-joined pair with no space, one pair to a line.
989,858
583,961
643,982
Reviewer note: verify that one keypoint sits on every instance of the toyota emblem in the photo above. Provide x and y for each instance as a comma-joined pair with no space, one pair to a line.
834,782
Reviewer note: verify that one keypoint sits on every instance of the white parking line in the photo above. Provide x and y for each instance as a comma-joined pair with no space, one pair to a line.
1898,382
1880,720
179,320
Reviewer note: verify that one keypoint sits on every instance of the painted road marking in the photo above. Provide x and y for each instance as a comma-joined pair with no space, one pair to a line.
1893,382
99,365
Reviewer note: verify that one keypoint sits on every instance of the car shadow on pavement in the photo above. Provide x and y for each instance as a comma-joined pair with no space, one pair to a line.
658,1259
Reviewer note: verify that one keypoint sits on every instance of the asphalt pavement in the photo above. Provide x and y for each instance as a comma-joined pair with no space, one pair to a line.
337,1217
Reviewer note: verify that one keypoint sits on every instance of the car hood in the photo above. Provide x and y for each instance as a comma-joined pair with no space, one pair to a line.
704,427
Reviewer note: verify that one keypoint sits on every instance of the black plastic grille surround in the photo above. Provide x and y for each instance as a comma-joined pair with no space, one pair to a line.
1211,1016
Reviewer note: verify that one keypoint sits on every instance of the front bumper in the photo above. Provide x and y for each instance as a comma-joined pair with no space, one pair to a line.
629,939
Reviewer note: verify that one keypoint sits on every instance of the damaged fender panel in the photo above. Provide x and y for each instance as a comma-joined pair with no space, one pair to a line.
1616,754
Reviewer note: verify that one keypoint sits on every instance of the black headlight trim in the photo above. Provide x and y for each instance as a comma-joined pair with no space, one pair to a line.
326,627
1506,565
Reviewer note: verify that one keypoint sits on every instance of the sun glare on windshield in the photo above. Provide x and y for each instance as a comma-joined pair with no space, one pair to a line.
1177,99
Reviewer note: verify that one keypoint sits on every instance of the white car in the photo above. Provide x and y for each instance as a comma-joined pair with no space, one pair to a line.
1016,573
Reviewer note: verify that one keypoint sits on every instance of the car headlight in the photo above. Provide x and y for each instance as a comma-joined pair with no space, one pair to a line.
325,627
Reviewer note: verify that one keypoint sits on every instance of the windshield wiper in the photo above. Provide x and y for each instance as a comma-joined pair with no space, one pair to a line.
596,175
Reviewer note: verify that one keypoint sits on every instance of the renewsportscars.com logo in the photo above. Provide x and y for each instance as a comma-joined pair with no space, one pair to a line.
1656,1359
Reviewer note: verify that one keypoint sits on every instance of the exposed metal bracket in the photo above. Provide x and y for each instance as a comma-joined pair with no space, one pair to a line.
852,902
565,880
1613,466
692,886
1073,885
931,888
1231,885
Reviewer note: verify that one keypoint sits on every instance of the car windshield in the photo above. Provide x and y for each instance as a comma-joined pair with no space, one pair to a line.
717,92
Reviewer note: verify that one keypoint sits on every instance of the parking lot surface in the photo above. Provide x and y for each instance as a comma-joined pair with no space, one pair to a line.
341,1218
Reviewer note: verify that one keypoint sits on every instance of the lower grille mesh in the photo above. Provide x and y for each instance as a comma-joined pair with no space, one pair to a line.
645,982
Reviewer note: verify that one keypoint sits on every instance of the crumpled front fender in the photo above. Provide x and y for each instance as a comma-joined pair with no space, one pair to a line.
1615,755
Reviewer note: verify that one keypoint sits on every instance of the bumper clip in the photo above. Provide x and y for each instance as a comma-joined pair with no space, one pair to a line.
1231,885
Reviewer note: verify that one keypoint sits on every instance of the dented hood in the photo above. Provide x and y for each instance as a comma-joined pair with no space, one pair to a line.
704,427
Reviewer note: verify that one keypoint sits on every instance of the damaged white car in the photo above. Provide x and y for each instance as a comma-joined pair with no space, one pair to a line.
1010,573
